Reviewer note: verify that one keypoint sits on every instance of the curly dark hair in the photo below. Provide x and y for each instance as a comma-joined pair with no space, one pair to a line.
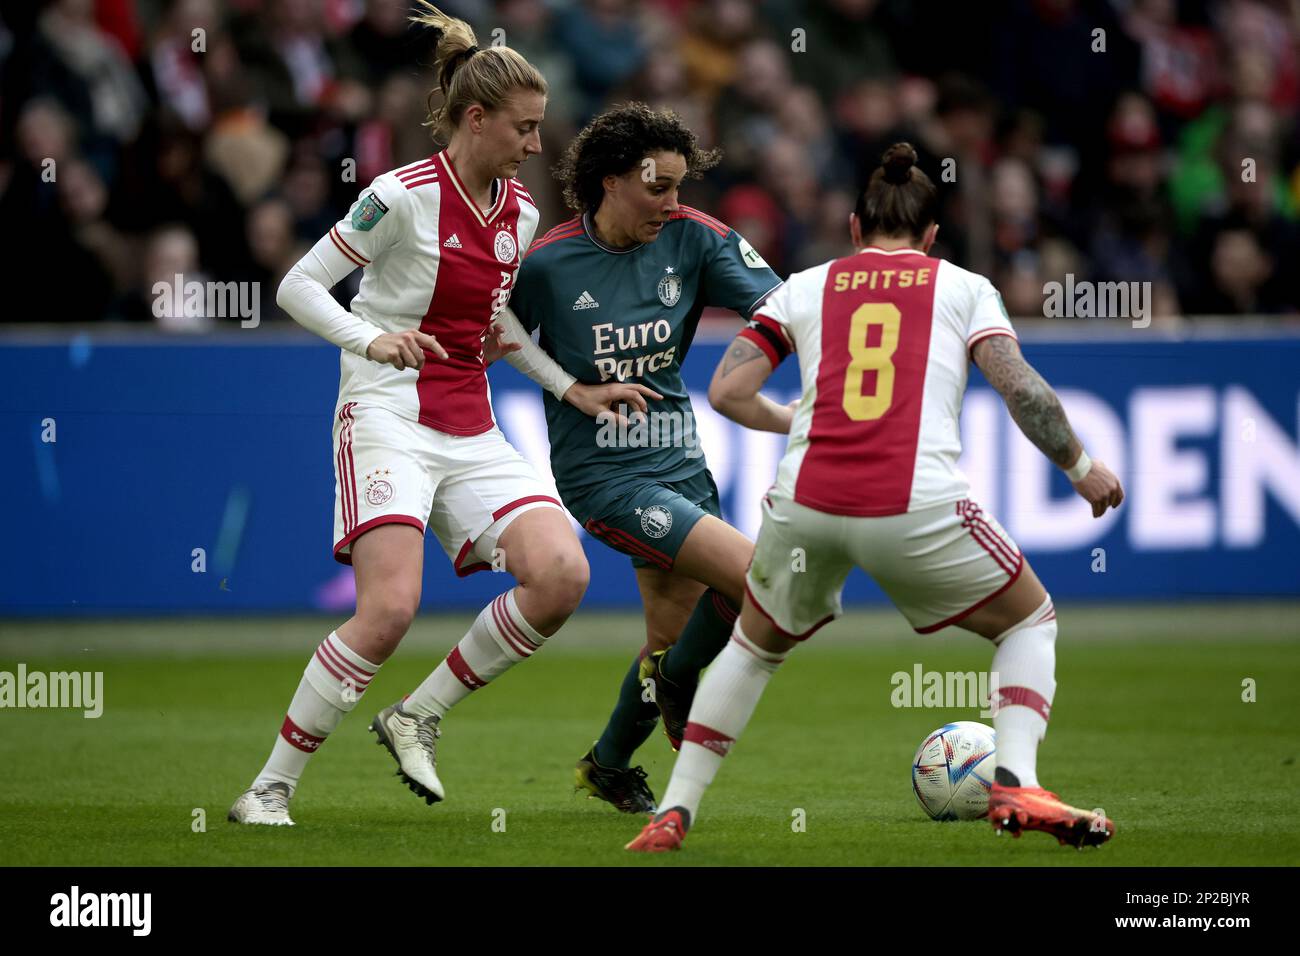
616,142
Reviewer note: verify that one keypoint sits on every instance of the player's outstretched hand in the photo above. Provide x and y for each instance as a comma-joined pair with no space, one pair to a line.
1100,488
495,344
597,400
403,350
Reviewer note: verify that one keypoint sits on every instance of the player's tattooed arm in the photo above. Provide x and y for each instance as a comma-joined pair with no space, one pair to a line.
1033,405
739,353
734,391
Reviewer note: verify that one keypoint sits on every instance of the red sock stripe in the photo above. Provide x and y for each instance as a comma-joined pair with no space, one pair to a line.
1023,697
365,669
462,670
708,738
334,671
498,619
752,650
298,737
509,630
1049,614
350,671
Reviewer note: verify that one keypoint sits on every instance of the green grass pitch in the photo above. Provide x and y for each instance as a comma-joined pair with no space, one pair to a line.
1149,723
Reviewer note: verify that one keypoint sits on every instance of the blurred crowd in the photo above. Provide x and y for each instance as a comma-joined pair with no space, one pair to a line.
1129,140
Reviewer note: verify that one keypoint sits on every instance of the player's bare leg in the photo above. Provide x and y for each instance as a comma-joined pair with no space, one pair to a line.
551,572
1021,623
668,600
548,562
387,561
717,555
723,705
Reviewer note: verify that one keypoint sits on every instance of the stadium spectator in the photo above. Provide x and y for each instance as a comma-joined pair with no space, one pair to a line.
1124,161
602,41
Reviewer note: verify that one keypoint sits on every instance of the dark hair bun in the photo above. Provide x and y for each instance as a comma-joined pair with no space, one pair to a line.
898,162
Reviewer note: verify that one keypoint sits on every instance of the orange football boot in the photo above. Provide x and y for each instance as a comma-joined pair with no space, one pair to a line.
665,832
1017,809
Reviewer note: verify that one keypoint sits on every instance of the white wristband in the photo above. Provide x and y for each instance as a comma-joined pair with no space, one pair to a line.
1080,469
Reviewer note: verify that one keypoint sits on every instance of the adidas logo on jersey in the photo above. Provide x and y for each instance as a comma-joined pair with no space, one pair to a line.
453,242
585,301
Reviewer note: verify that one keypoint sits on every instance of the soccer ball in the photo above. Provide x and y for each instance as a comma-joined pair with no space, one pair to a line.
952,772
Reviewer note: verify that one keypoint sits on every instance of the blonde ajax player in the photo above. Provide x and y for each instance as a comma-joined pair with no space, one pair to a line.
870,479
415,443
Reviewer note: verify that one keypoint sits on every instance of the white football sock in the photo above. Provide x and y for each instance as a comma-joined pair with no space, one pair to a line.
335,678
724,702
1025,664
498,639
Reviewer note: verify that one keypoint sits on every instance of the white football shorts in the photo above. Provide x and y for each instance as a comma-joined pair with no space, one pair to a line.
465,489
936,564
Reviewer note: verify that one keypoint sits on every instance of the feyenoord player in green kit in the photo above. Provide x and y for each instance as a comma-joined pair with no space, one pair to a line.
617,293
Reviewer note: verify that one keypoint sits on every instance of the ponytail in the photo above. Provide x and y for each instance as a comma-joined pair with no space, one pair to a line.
467,75
900,199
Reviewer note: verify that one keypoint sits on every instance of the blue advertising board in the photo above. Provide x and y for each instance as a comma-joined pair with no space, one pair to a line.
168,475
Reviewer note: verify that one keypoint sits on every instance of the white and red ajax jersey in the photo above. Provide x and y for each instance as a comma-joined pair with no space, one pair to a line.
436,261
883,339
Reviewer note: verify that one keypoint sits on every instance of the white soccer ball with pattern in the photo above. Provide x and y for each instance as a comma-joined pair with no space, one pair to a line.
952,772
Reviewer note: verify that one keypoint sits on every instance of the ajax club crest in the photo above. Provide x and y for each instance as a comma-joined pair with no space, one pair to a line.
670,288
504,246
379,490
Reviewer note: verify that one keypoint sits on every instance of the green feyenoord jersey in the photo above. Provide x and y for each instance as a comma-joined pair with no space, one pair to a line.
629,315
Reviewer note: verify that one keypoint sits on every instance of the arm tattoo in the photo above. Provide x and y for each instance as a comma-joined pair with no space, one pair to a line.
740,353
1031,401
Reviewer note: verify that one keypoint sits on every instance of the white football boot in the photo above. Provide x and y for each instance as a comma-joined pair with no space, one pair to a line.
267,804
411,742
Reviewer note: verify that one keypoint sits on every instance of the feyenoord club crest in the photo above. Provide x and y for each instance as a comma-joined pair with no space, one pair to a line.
379,490
670,288
656,521
504,246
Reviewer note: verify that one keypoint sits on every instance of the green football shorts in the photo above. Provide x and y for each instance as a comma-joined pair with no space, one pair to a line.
644,518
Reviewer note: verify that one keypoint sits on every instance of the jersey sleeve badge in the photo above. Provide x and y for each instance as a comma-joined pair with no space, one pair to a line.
750,255
369,211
